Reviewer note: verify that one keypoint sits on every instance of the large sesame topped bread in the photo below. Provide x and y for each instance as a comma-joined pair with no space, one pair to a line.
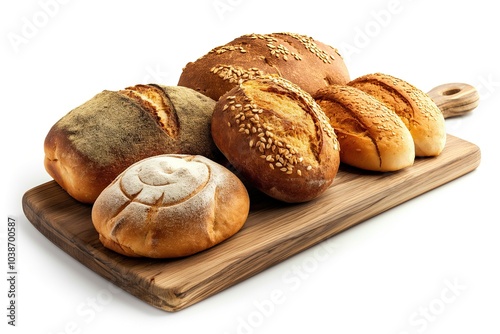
276,136
308,63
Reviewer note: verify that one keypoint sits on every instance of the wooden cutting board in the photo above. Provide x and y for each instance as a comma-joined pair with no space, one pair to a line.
274,231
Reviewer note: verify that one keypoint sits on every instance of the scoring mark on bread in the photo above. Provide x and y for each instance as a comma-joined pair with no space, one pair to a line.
390,97
281,152
154,100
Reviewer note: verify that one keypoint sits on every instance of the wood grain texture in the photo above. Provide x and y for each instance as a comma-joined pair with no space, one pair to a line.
273,232
455,99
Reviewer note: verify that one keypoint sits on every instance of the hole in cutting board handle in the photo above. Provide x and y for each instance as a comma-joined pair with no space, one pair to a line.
451,91
455,99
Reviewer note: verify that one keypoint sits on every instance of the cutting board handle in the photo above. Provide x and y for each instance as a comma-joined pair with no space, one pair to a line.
455,99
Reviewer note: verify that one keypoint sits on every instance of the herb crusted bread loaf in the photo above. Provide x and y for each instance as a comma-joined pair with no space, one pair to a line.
89,146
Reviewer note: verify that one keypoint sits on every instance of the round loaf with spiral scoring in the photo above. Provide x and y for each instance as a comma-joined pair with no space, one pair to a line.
170,206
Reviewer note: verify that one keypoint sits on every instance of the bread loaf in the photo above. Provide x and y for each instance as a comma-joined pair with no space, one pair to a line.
417,110
170,206
277,138
308,63
371,136
88,147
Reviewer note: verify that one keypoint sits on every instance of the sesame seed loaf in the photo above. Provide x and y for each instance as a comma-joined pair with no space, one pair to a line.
417,110
302,60
371,136
88,147
170,206
277,138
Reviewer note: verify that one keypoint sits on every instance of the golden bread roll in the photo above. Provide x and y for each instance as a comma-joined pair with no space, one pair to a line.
170,206
88,147
275,135
302,60
417,110
371,136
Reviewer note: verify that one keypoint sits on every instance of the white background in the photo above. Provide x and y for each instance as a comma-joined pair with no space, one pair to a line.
427,266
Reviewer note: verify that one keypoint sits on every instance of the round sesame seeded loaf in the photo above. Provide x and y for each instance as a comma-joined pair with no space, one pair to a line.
302,60
371,136
277,138
417,110
88,147
170,206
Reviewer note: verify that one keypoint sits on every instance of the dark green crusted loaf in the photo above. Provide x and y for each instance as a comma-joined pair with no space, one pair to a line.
92,144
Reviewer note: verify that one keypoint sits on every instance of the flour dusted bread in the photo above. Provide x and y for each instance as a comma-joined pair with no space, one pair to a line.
417,110
170,206
276,136
308,63
371,136
88,147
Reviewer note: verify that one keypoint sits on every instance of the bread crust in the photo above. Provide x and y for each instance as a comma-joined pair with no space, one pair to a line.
276,136
308,63
170,206
88,147
371,136
418,111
